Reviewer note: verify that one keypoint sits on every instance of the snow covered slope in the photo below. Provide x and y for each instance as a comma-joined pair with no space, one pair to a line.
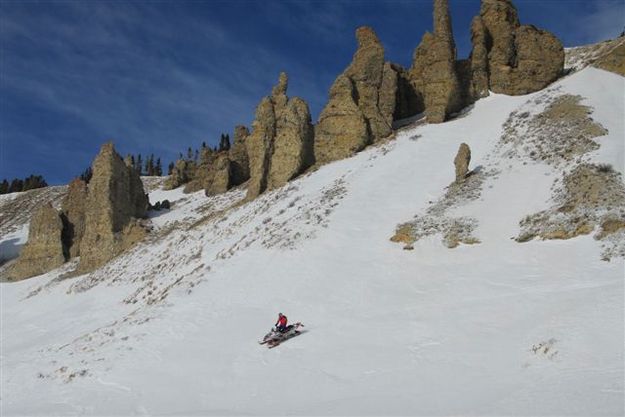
496,328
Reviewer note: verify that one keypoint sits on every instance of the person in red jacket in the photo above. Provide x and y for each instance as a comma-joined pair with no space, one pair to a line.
281,323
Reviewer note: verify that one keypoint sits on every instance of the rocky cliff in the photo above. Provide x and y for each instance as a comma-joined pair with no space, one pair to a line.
115,201
280,146
361,105
44,250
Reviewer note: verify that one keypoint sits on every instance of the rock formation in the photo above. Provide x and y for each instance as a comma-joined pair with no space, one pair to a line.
479,59
280,146
44,250
218,180
115,201
461,162
293,144
433,71
195,175
183,172
361,105
73,216
238,156
521,58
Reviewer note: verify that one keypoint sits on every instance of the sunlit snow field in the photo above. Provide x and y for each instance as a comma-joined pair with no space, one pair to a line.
497,328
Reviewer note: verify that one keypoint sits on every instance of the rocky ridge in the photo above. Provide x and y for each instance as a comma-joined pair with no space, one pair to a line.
96,222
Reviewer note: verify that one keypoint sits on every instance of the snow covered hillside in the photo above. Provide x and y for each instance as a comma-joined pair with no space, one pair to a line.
493,328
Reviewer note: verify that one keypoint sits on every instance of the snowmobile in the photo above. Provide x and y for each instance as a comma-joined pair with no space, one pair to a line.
275,336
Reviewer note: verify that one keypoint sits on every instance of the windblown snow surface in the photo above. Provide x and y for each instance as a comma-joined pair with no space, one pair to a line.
496,328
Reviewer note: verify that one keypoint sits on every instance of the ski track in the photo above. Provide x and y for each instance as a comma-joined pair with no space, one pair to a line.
497,328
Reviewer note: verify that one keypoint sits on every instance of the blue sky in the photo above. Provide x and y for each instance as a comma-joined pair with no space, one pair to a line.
160,76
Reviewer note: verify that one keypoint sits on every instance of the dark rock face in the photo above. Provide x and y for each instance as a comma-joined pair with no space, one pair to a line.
73,215
44,250
238,156
361,105
115,200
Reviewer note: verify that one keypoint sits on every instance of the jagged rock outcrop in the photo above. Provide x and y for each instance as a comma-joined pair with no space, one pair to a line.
198,174
73,216
183,172
240,165
361,105
115,201
280,146
44,250
461,162
218,180
521,58
479,60
407,101
433,71
293,144
614,60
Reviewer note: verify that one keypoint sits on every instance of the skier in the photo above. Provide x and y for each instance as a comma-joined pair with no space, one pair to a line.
281,323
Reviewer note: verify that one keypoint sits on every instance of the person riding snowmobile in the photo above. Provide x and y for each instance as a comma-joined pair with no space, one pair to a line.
281,323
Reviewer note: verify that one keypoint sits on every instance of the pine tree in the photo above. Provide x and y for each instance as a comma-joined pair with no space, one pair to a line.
139,165
189,154
16,186
4,187
170,168
158,170
88,173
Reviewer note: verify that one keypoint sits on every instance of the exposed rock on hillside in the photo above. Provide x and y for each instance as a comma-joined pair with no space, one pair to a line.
614,60
44,250
521,59
73,215
608,55
218,180
361,105
281,144
560,133
461,162
115,201
433,71
479,59
590,196
198,174
437,219
293,144
183,172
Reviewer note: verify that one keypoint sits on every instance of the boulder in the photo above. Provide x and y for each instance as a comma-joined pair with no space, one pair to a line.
44,250
115,201
461,162
73,216
361,105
